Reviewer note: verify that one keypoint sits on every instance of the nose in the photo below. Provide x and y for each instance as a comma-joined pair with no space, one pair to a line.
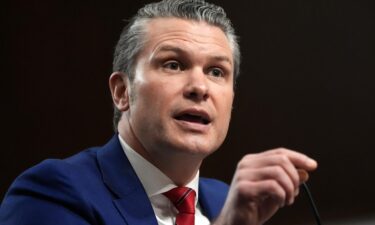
196,88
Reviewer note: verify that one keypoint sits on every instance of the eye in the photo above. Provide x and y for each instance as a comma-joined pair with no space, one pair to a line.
172,65
216,72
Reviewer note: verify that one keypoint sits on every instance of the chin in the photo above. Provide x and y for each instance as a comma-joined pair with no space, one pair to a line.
197,147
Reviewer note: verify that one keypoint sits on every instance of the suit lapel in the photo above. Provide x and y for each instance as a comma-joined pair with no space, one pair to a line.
211,197
130,197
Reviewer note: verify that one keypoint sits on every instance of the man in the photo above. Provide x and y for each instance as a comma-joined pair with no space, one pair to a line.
173,84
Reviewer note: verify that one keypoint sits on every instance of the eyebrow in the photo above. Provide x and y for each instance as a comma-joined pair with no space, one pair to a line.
167,48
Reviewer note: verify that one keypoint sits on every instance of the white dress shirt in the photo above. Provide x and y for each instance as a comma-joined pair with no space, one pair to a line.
156,183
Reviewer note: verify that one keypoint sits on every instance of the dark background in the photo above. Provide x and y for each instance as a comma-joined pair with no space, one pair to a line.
306,83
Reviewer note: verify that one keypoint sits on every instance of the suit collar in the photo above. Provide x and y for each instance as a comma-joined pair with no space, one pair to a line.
130,198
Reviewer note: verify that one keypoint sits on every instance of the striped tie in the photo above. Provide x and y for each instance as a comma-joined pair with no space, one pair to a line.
183,199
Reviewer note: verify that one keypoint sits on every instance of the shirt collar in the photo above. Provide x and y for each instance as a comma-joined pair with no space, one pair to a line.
154,181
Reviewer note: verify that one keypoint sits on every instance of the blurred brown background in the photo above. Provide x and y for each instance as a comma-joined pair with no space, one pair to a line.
307,82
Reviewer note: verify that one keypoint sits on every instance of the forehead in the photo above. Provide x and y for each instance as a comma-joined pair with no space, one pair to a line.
195,34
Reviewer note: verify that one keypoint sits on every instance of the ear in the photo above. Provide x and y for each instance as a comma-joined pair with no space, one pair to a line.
118,84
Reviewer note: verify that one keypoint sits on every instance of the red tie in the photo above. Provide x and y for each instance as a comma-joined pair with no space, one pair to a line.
183,199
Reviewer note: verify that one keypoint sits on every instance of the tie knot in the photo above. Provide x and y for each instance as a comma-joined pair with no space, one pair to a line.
183,198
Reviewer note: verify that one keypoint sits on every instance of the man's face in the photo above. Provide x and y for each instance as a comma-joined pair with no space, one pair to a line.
182,92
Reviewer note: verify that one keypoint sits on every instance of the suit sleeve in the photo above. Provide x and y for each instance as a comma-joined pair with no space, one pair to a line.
46,194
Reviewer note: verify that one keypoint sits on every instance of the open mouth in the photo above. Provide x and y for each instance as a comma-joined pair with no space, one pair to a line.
201,119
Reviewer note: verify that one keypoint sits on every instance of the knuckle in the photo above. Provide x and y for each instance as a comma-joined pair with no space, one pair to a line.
275,188
283,159
240,165
277,171
242,188
247,157
280,150
244,161
240,176
272,186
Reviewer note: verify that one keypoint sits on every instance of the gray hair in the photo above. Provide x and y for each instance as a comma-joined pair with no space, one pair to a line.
132,37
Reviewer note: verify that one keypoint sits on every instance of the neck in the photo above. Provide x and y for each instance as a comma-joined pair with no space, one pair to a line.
181,169
179,166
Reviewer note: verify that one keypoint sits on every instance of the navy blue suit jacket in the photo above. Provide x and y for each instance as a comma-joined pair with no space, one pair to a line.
96,186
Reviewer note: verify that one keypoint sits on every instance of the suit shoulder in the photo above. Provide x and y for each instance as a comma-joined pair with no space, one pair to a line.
213,183
60,170
58,174
213,188
59,186
50,179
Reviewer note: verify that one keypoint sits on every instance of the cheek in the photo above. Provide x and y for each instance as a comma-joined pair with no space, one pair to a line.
226,110
153,98
145,110
227,103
